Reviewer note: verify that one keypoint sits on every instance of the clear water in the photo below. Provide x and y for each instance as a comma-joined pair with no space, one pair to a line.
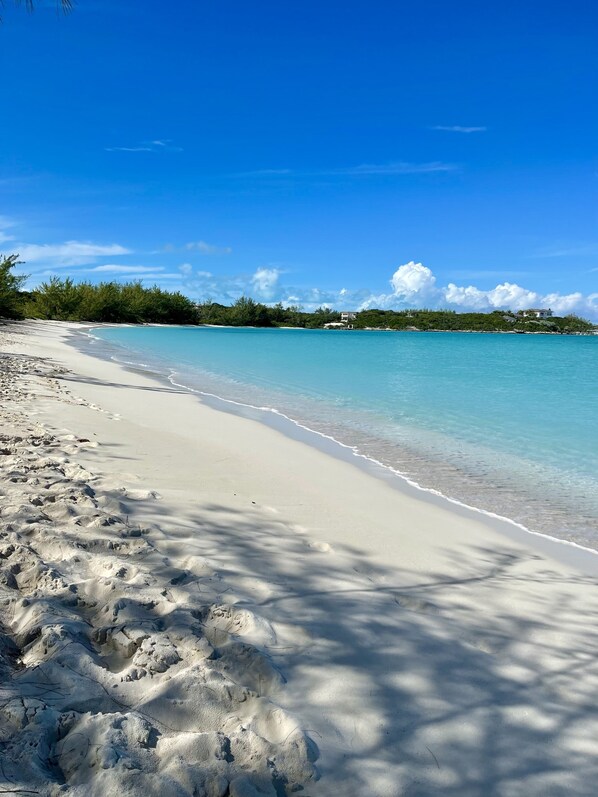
506,423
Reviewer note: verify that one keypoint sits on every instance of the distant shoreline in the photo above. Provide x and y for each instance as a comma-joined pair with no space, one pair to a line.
93,324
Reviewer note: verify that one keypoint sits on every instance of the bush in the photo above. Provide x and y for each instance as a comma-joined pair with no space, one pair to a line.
110,302
10,285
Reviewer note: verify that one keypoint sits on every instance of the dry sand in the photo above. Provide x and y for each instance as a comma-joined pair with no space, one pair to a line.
195,604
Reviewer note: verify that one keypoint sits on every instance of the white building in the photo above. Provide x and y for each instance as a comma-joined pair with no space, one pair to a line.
346,317
536,313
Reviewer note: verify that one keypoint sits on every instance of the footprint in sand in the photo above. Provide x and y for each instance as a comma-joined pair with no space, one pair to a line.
414,604
322,547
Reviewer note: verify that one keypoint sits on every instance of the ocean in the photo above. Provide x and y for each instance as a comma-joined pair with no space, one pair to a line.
504,423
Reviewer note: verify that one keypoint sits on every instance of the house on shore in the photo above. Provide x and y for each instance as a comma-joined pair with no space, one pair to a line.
535,312
344,323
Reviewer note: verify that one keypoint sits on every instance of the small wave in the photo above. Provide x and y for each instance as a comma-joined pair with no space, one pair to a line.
354,450
172,376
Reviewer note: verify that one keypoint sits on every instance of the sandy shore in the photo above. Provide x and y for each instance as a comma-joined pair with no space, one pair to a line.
196,604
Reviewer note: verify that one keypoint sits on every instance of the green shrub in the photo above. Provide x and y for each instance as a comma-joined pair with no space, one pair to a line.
10,285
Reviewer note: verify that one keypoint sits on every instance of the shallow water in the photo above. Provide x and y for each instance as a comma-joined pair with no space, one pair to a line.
505,423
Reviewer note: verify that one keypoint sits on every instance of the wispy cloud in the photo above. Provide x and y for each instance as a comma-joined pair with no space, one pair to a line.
111,268
394,168
157,145
205,248
459,129
482,273
582,250
5,224
264,173
70,253
6,221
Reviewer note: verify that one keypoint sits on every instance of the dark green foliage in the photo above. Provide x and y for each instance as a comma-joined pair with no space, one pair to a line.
247,312
10,285
573,323
449,321
111,302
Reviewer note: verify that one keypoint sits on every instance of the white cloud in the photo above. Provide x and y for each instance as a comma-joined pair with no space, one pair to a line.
205,248
414,285
129,149
265,281
459,129
157,145
70,253
582,250
6,223
264,173
394,168
111,268
411,279
401,167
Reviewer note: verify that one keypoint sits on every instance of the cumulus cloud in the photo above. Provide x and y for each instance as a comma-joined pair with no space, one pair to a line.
413,279
205,248
414,285
265,281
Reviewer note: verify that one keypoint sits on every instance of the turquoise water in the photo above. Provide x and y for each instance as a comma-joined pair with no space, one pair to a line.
506,423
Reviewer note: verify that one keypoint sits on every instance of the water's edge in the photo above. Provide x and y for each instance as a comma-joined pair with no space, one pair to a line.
566,551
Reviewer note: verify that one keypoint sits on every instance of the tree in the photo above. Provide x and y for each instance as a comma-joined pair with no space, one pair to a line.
65,5
244,312
58,299
10,286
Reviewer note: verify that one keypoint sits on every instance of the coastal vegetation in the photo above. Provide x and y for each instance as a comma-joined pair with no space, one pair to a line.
247,312
10,287
450,321
112,302
133,303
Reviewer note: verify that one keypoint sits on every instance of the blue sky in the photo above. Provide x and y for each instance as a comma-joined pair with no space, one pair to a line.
356,154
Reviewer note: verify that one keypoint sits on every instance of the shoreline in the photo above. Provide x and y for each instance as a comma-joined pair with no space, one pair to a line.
398,645
331,446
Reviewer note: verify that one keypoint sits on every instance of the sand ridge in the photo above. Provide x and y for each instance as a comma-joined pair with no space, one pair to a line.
119,675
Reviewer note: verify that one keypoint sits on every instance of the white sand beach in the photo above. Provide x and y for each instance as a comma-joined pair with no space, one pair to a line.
194,603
